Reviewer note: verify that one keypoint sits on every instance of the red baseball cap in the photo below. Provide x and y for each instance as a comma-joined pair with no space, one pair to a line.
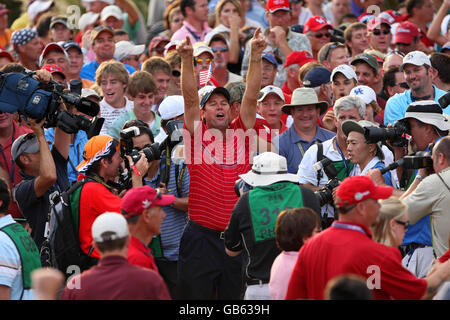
299,57
405,32
136,200
316,23
376,22
275,5
359,188
4,53
53,68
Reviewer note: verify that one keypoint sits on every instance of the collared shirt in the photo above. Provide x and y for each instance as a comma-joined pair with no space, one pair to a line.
110,114
188,30
11,264
296,41
396,105
313,271
88,71
290,145
140,255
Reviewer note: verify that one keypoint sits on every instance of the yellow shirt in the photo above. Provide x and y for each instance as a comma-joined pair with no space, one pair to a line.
21,22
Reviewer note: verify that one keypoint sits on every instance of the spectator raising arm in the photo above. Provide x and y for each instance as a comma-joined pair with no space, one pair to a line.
434,32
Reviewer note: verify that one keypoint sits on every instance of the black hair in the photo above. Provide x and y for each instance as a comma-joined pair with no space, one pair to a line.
389,78
5,196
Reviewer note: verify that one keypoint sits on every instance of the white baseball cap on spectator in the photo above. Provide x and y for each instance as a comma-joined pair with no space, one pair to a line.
109,226
171,107
37,7
417,58
87,19
364,92
200,47
111,11
268,90
346,70
126,48
86,93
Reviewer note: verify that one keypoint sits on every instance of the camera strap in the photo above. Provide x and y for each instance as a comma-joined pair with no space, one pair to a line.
443,181
319,158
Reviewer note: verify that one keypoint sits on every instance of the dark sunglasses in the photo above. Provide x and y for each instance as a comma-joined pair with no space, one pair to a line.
221,49
330,47
377,32
403,85
395,52
176,73
403,223
320,35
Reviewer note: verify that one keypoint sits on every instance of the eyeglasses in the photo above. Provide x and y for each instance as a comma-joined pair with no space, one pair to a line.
405,224
331,47
221,49
176,73
377,32
200,60
403,85
320,35
395,52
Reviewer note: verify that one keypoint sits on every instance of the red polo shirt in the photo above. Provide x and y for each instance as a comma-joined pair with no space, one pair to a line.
337,251
10,167
140,255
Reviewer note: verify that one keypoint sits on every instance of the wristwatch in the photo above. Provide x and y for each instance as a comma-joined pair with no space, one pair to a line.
419,177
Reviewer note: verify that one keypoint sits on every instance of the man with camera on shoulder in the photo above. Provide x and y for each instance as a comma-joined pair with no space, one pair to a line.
426,123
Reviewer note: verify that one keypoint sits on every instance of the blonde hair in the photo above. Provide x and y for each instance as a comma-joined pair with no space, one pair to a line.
112,67
391,208
220,6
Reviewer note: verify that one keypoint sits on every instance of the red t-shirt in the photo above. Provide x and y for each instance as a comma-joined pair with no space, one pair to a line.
10,167
95,200
337,251
213,172
140,255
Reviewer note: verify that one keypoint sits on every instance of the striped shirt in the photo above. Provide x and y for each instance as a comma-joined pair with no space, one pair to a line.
173,224
213,174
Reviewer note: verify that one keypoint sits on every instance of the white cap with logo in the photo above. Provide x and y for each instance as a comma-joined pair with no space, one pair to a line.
109,226
417,58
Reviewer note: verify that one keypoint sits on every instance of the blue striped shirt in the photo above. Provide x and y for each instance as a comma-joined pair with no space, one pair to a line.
173,224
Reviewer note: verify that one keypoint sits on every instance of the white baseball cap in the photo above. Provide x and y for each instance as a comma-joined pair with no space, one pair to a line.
171,107
268,90
37,7
87,92
111,11
87,19
346,70
127,48
109,226
417,58
364,92
200,47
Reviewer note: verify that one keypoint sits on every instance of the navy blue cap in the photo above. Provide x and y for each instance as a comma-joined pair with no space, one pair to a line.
316,77
71,44
218,90
270,57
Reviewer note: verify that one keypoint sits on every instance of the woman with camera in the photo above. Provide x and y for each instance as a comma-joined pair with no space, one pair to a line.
364,156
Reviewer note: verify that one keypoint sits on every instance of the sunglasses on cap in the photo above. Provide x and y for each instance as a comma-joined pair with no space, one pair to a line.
405,224
157,196
176,73
221,49
200,60
377,32
395,52
320,35
331,47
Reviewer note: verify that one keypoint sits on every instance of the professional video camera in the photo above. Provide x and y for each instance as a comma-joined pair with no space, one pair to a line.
397,135
325,194
419,160
23,94
127,148
444,100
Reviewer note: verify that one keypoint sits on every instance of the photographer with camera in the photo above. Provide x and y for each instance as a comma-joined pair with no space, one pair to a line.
43,172
100,167
426,123
252,223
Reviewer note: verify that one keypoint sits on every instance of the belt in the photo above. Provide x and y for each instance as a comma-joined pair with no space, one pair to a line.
252,282
219,234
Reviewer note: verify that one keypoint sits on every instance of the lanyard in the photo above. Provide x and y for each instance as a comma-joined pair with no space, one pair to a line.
196,37
348,227
10,172
343,158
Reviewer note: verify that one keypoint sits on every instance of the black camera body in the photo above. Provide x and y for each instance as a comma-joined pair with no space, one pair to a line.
444,100
23,94
420,160
325,195
397,135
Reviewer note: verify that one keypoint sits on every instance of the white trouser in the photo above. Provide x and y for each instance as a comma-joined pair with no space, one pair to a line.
257,292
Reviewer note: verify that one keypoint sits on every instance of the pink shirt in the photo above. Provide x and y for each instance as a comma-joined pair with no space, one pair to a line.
280,273
188,30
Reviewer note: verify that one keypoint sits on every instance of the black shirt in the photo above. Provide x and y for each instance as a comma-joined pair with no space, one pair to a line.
35,210
239,235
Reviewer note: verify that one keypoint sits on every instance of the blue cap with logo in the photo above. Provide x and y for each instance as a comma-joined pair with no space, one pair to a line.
316,77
